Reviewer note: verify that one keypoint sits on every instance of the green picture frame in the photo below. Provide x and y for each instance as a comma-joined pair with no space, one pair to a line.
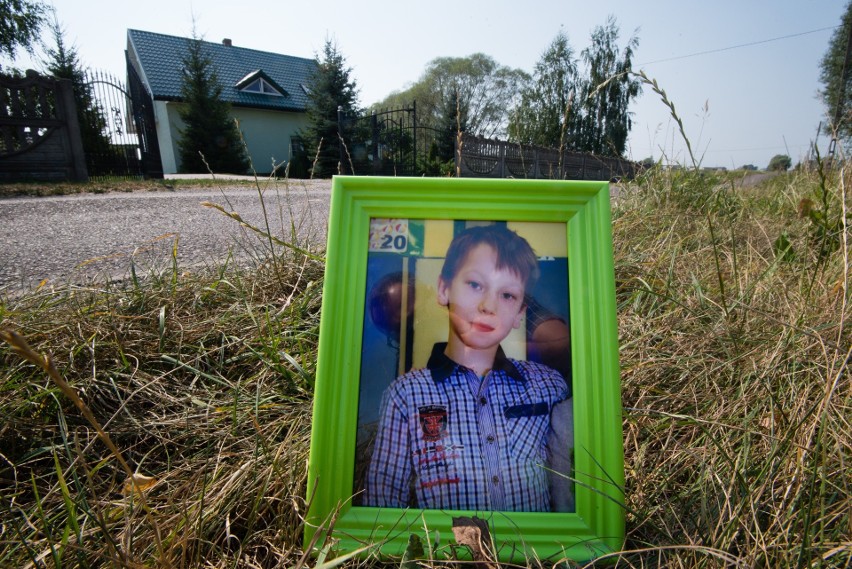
596,527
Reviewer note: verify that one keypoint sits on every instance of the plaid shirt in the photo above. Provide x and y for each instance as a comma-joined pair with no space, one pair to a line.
448,439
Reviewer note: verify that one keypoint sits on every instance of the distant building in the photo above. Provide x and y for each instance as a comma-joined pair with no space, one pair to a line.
267,93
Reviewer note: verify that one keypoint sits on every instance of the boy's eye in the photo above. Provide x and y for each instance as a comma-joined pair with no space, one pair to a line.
509,296
474,285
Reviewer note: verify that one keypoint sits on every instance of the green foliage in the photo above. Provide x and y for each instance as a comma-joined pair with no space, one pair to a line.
544,111
608,90
20,22
648,162
210,134
780,162
588,110
783,248
64,62
331,88
433,165
836,92
824,210
453,118
484,90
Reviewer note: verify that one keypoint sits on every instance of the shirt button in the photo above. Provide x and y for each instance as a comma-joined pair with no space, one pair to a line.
490,438
483,401
495,479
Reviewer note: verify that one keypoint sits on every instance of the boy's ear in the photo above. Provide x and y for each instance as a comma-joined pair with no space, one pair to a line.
516,323
443,293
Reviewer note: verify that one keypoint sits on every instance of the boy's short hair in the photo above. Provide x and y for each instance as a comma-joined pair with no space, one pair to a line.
513,252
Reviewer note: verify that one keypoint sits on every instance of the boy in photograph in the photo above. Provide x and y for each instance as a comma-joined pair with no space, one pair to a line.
470,431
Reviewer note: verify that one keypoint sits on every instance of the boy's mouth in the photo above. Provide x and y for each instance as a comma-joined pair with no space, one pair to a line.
481,327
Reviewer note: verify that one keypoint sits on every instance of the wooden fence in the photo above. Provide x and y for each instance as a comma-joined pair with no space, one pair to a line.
485,158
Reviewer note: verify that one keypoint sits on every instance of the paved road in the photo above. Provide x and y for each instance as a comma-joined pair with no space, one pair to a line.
80,237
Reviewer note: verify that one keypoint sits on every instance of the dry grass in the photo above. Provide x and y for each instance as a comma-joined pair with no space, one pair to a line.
203,384
735,373
735,387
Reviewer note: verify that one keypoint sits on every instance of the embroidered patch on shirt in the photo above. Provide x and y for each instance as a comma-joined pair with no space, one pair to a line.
433,421
525,410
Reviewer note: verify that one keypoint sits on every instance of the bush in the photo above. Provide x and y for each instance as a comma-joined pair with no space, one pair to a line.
780,162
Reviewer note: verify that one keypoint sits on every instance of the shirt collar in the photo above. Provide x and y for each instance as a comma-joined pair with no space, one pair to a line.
441,366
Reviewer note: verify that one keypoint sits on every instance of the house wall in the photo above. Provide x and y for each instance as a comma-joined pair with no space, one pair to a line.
266,134
168,133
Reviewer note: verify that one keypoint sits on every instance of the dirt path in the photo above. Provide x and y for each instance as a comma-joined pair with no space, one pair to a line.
755,178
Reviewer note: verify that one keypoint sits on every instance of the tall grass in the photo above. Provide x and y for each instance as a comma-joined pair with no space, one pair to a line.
203,384
736,392
735,371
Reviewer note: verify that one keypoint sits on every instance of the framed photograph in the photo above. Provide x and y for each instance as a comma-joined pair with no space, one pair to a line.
468,371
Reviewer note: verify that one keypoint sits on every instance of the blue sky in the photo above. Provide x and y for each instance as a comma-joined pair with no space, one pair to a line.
739,106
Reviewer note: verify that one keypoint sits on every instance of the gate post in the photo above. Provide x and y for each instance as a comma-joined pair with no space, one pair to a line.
340,144
414,136
374,143
68,113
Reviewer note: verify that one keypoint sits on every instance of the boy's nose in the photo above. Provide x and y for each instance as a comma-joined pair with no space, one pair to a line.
487,304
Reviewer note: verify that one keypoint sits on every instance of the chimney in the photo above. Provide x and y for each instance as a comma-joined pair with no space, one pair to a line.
227,42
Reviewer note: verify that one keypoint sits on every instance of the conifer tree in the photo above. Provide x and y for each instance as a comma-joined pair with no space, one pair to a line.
63,62
210,133
331,87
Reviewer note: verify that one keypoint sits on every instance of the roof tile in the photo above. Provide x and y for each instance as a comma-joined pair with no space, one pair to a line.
161,58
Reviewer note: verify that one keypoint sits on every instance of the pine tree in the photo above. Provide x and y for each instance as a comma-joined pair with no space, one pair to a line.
331,87
210,133
64,62
836,92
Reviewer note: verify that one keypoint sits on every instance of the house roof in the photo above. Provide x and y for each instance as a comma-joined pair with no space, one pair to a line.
160,58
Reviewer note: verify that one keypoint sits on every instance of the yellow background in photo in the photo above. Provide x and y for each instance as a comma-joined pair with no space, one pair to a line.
437,236
546,239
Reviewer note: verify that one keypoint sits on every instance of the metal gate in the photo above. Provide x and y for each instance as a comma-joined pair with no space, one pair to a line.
143,121
385,143
118,135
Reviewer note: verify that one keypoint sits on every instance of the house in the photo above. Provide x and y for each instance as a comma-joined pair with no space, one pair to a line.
267,93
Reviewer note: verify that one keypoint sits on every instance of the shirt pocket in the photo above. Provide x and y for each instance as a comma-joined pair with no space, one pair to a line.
526,426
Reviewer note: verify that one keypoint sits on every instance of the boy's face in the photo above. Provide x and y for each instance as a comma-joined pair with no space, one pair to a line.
484,302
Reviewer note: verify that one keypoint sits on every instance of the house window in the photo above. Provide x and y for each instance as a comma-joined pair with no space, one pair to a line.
261,85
